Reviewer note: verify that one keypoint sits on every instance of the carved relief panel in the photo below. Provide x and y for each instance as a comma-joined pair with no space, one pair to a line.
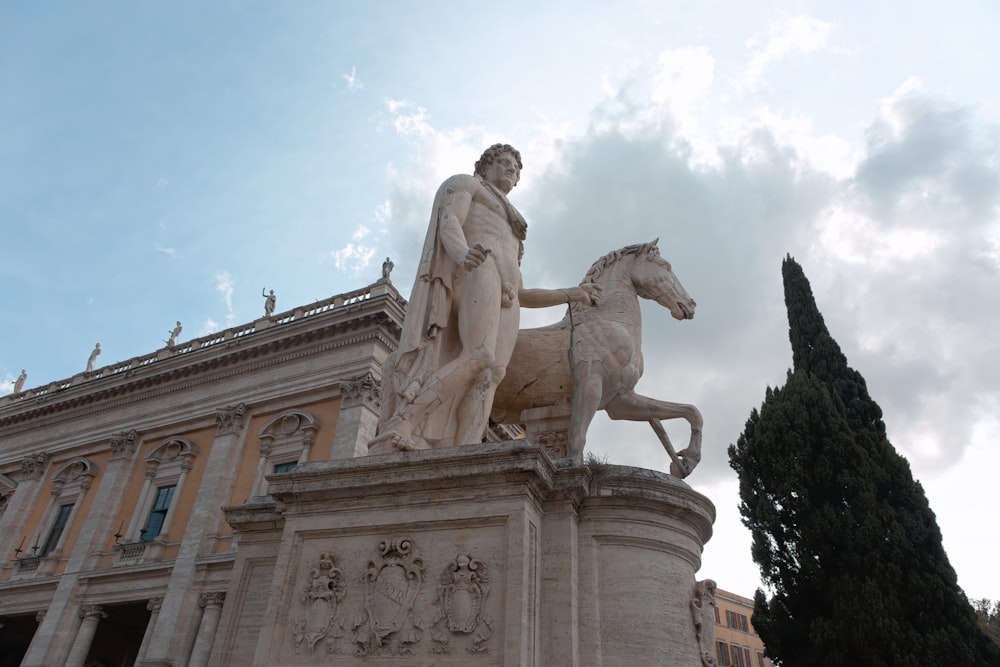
372,599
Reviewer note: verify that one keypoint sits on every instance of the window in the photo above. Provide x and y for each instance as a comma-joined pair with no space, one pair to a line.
760,659
743,623
158,513
736,657
167,467
717,621
62,518
285,441
69,485
723,652
730,619
746,657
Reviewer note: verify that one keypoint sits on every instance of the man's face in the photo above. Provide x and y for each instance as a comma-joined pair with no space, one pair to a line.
503,173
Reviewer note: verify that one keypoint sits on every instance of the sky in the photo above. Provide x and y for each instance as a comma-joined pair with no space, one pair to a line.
168,161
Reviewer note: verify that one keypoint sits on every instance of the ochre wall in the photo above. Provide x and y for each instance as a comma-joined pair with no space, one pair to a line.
325,411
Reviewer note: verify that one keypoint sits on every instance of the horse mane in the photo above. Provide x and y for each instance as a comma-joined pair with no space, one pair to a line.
598,268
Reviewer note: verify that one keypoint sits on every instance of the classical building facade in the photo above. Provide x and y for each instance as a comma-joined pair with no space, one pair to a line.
115,549
736,642
211,505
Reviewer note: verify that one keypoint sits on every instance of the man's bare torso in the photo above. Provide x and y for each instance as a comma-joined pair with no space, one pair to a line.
486,223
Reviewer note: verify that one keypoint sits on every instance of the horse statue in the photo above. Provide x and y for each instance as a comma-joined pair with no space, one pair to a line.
592,359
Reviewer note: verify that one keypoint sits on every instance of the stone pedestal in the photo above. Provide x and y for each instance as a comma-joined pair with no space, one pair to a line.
476,555
548,428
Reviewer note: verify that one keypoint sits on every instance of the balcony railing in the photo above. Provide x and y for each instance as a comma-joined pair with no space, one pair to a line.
302,312
131,551
28,564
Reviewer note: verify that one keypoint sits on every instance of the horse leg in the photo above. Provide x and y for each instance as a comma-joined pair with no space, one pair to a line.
636,407
587,391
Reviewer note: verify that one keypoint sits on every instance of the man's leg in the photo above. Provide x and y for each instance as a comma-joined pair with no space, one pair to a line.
476,297
474,410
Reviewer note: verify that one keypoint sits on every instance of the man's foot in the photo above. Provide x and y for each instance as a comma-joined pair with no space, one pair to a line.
396,437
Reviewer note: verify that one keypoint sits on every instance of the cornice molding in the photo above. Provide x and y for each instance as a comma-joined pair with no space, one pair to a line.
370,319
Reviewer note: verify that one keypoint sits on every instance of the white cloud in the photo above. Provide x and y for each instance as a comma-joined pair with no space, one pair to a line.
848,234
682,82
793,36
408,120
224,285
172,252
7,383
352,80
352,257
383,213
209,326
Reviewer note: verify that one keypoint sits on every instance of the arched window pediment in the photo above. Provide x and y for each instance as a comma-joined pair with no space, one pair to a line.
77,471
173,449
287,424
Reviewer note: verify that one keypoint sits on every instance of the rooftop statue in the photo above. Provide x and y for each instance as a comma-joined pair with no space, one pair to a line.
19,382
387,267
592,359
174,333
270,301
463,315
93,357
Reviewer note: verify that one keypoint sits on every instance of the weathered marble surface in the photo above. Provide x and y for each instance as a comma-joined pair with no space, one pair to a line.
463,314
489,554
592,359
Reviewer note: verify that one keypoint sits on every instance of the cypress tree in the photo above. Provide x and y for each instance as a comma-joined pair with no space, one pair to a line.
842,533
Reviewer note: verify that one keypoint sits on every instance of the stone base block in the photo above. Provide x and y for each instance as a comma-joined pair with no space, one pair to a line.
476,555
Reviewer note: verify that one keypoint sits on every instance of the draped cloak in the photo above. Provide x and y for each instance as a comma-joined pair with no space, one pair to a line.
427,342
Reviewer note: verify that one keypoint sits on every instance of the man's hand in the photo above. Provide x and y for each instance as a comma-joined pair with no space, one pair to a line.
476,256
592,293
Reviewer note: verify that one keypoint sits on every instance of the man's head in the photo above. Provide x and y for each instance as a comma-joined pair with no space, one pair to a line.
498,162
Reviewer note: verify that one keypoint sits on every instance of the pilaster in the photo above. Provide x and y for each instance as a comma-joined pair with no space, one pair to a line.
358,418
174,620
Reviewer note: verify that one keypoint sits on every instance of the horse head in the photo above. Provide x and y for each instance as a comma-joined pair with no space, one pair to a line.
654,279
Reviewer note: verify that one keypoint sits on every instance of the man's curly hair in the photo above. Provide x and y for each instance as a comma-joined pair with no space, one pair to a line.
492,154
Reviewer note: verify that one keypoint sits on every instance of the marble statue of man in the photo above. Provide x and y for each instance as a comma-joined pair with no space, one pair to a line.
270,301
462,320
19,382
93,357
174,333
387,267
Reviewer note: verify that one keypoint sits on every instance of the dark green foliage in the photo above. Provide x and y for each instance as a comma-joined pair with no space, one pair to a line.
841,531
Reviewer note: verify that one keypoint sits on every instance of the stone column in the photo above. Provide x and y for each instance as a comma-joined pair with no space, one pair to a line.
154,610
91,615
212,603
308,439
359,407
54,633
258,481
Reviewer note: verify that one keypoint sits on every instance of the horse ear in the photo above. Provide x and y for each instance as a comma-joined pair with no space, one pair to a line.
655,242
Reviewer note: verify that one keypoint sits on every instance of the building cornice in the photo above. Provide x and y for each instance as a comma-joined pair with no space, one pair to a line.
372,315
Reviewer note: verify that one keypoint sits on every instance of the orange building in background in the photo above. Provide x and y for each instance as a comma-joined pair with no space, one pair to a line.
736,642
114,547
